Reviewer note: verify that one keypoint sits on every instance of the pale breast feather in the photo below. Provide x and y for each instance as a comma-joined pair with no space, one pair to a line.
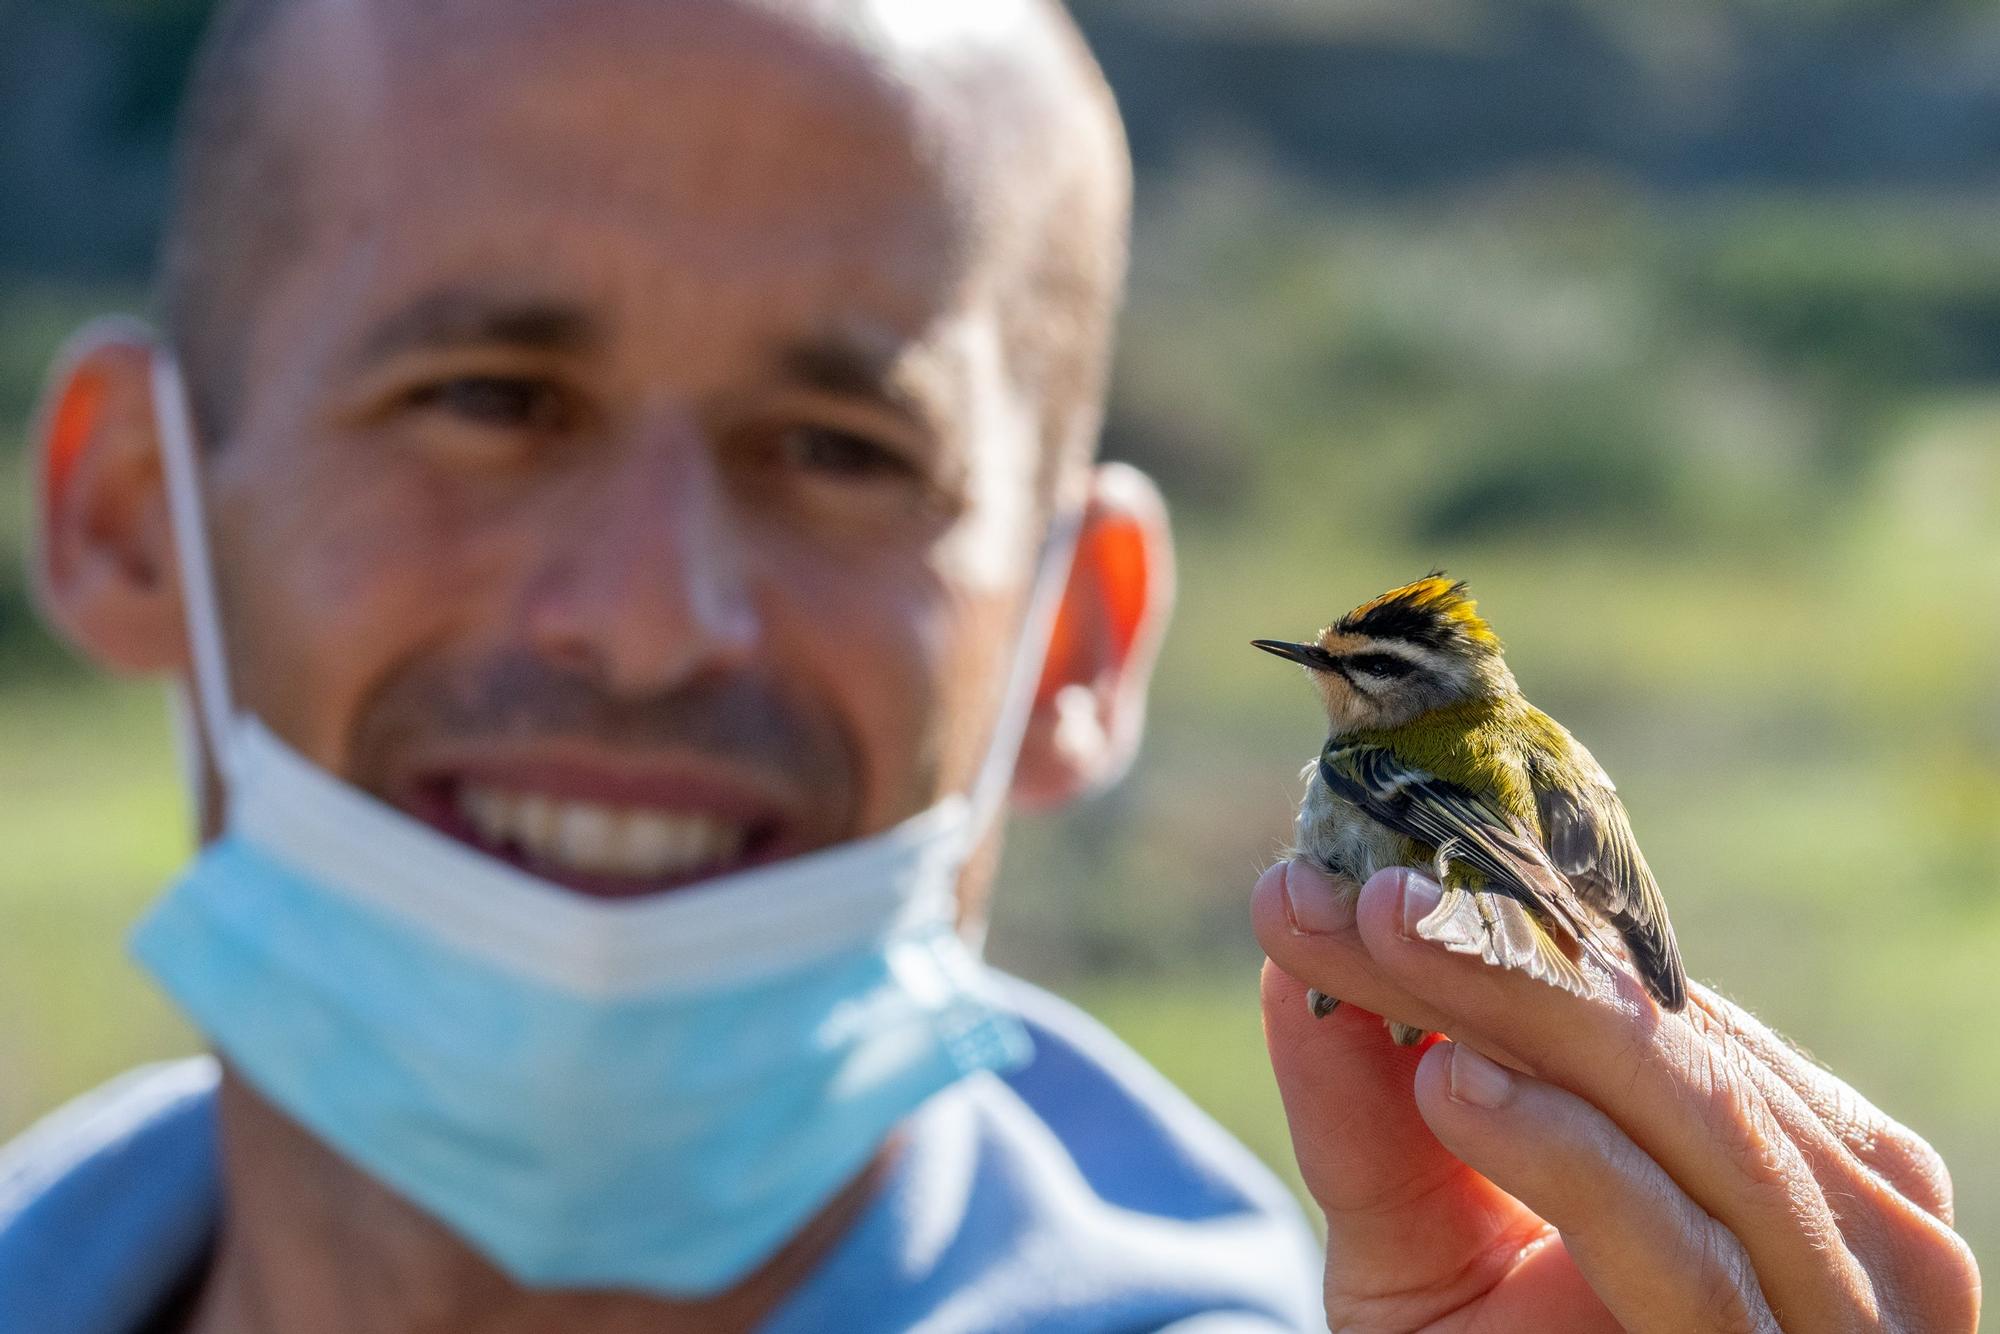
1340,838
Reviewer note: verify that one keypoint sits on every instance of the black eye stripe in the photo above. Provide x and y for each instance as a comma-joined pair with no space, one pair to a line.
1380,664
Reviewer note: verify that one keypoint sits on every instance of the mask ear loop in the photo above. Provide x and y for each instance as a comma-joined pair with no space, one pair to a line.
1017,700
212,703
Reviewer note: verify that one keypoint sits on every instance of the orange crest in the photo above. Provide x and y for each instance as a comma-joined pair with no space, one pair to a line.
1432,609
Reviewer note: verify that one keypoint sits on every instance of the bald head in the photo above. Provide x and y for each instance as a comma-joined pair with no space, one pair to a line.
1001,100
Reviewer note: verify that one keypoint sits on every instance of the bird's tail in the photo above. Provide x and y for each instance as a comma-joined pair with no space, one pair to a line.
1497,928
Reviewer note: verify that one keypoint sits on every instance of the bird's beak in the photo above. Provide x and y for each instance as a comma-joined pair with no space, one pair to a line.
1305,655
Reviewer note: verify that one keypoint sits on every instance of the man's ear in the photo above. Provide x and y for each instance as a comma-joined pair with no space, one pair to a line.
102,551
1090,707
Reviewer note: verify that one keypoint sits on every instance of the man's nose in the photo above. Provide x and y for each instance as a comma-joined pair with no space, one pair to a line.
647,585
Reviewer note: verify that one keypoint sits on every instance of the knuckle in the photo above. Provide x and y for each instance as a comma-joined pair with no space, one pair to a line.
1915,1169
1933,1286
1773,1174
1727,1297
1893,1153
1746,1129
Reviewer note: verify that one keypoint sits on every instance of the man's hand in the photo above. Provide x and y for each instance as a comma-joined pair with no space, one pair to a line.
1649,1172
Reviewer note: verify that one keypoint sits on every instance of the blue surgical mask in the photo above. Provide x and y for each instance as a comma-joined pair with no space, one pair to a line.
651,1094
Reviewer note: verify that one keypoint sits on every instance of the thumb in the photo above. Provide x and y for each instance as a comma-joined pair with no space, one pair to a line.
1412,1233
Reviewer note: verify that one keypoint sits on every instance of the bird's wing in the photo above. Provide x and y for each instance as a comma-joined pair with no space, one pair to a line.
1589,838
1516,869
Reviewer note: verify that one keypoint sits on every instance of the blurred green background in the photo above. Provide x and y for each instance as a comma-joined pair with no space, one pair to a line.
1675,329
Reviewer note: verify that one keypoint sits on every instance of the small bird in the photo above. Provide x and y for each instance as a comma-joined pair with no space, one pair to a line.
1435,760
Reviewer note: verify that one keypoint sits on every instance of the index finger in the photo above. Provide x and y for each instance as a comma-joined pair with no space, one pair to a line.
1404,1216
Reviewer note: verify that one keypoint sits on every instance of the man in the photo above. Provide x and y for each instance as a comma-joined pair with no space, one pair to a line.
627,435
637,442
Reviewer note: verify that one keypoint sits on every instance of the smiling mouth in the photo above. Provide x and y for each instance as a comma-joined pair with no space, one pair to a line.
603,848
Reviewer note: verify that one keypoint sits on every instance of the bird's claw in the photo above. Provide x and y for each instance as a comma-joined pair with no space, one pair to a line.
1320,1004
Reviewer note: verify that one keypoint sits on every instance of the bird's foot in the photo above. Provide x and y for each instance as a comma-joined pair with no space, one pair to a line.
1406,1035
1320,1004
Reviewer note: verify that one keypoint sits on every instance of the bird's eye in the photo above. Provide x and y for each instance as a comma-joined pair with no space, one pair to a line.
1387,666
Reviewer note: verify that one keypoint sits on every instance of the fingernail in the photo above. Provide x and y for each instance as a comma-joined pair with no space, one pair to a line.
1318,908
1420,895
1476,1080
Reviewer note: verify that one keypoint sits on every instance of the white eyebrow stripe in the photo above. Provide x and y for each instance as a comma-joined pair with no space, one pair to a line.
1414,654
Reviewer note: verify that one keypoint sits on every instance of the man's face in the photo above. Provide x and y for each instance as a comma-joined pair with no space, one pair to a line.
628,478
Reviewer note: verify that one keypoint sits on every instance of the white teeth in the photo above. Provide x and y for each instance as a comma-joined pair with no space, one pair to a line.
588,837
535,822
725,842
639,843
650,840
490,812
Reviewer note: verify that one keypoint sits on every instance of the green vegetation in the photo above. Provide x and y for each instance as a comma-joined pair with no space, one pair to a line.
94,825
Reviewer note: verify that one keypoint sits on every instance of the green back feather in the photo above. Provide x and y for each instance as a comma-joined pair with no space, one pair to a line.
1483,745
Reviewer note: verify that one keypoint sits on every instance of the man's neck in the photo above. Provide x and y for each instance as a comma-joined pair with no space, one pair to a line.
310,1244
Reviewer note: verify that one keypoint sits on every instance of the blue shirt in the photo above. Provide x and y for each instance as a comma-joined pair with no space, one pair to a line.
1082,1194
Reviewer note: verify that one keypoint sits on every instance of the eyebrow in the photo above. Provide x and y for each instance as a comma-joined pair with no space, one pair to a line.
450,319
872,370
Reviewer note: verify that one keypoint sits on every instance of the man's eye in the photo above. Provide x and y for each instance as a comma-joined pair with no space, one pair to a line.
506,402
837,453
